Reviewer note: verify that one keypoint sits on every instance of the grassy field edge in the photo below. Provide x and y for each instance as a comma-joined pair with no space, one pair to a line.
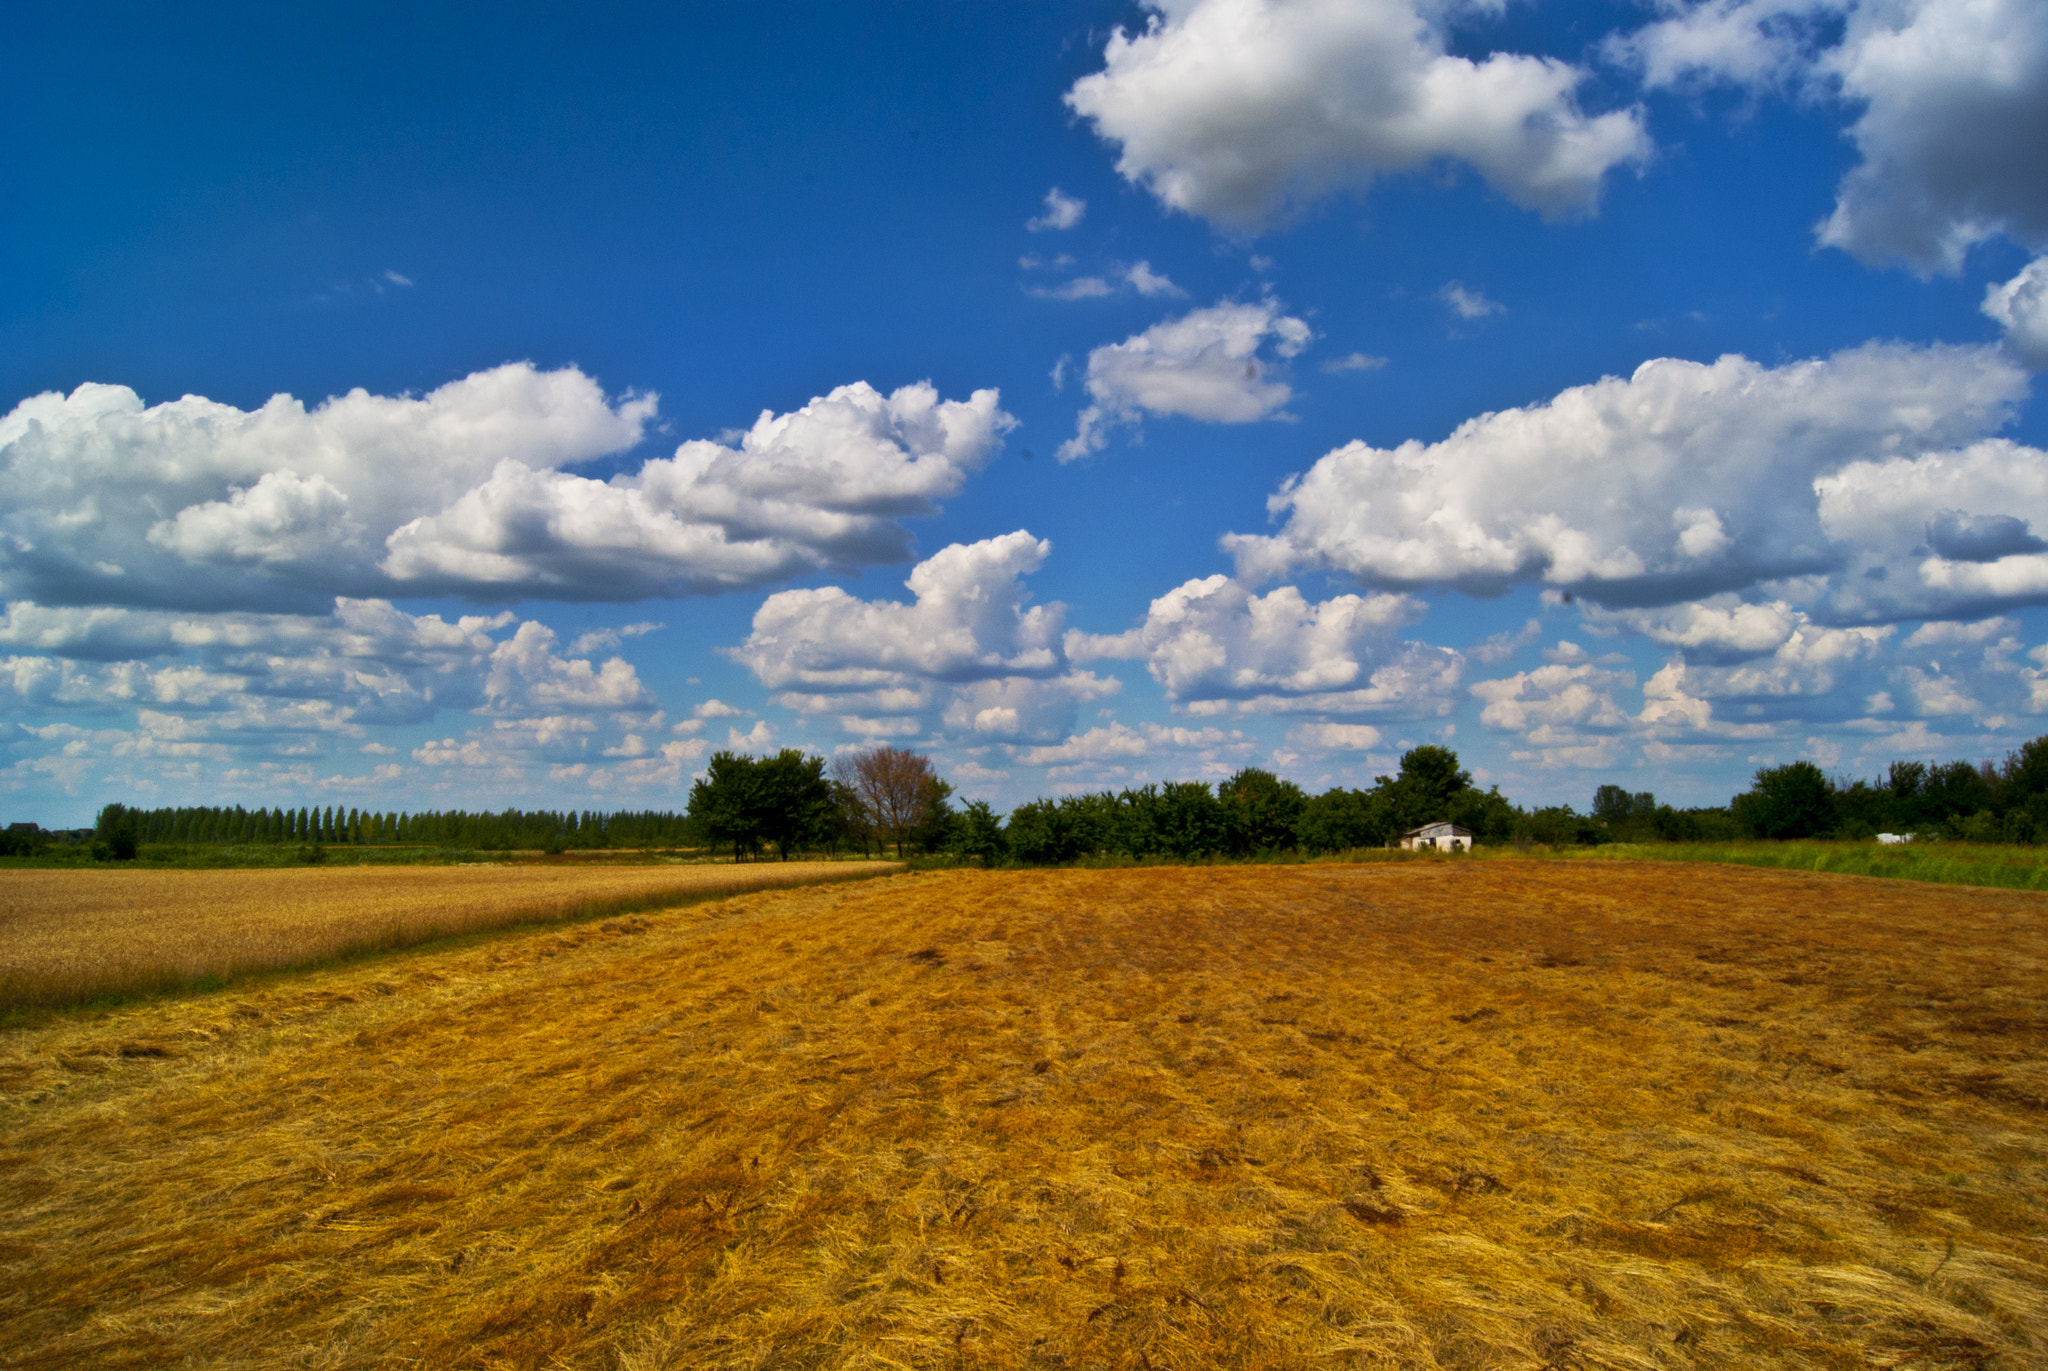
1988,866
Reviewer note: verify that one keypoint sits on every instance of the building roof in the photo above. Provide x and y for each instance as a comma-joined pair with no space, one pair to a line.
1439,829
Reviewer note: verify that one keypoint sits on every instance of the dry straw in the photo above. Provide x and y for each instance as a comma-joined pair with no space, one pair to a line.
1473,1115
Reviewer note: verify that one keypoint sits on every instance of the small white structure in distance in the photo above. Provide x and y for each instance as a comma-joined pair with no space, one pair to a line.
1444,837
1889,838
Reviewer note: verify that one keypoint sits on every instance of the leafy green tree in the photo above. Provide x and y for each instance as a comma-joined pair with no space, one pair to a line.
1558,826
1790,801
1339,820
1487,813
1048,832
979,833
1037,832
1957,791
1260,811
1614,805
22,840
848,825
114,833
1189,820
1430,776
934,831
726,805
1131,821
793,800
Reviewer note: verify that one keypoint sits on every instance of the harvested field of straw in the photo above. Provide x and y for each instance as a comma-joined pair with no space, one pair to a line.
1444,1114
68,936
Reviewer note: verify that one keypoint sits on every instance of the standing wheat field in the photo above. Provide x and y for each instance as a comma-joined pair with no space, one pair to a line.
1471,1115
68,936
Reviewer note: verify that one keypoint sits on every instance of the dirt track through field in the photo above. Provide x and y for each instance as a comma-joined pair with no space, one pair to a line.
1435,1115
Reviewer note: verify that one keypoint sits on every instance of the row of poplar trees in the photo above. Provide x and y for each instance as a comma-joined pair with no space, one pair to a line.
332,824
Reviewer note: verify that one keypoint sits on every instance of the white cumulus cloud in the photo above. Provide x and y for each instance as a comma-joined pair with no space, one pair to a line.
969,646
1955,114
1241,110
1691,479
1215,645
251,691
197,505
1121,742
1761,44
2021,308
1205,365
823,486
1327,737
1951,101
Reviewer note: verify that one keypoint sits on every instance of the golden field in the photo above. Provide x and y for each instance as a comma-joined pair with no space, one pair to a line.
1510,1114
68,936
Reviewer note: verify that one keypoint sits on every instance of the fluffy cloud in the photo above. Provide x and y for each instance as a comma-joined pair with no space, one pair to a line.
525,670
1216,646
1814,673
257,688
197,505
1238,110
1328,737
1717,628
1569,713
968,647
2021,308
1765,681
1688,479
1953,99
1554,697
969,621
1760,44
1023,707
1940,535
1204,365
1565,714
1955,114
109,633
824,486
1210,750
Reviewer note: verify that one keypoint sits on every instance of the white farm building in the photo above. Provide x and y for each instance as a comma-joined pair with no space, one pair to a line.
1443,837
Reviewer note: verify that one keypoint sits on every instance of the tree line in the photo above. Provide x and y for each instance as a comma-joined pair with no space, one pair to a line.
891,800
121,827
1982,802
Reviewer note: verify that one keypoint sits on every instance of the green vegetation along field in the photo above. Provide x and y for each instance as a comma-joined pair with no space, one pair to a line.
2003,866
1435,1114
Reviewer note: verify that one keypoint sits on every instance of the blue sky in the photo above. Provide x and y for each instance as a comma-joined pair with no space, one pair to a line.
500,406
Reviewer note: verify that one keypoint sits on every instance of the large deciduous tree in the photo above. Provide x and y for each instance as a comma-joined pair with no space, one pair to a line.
725,804
796,800
744,802
1790,801
1261,812
899,792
